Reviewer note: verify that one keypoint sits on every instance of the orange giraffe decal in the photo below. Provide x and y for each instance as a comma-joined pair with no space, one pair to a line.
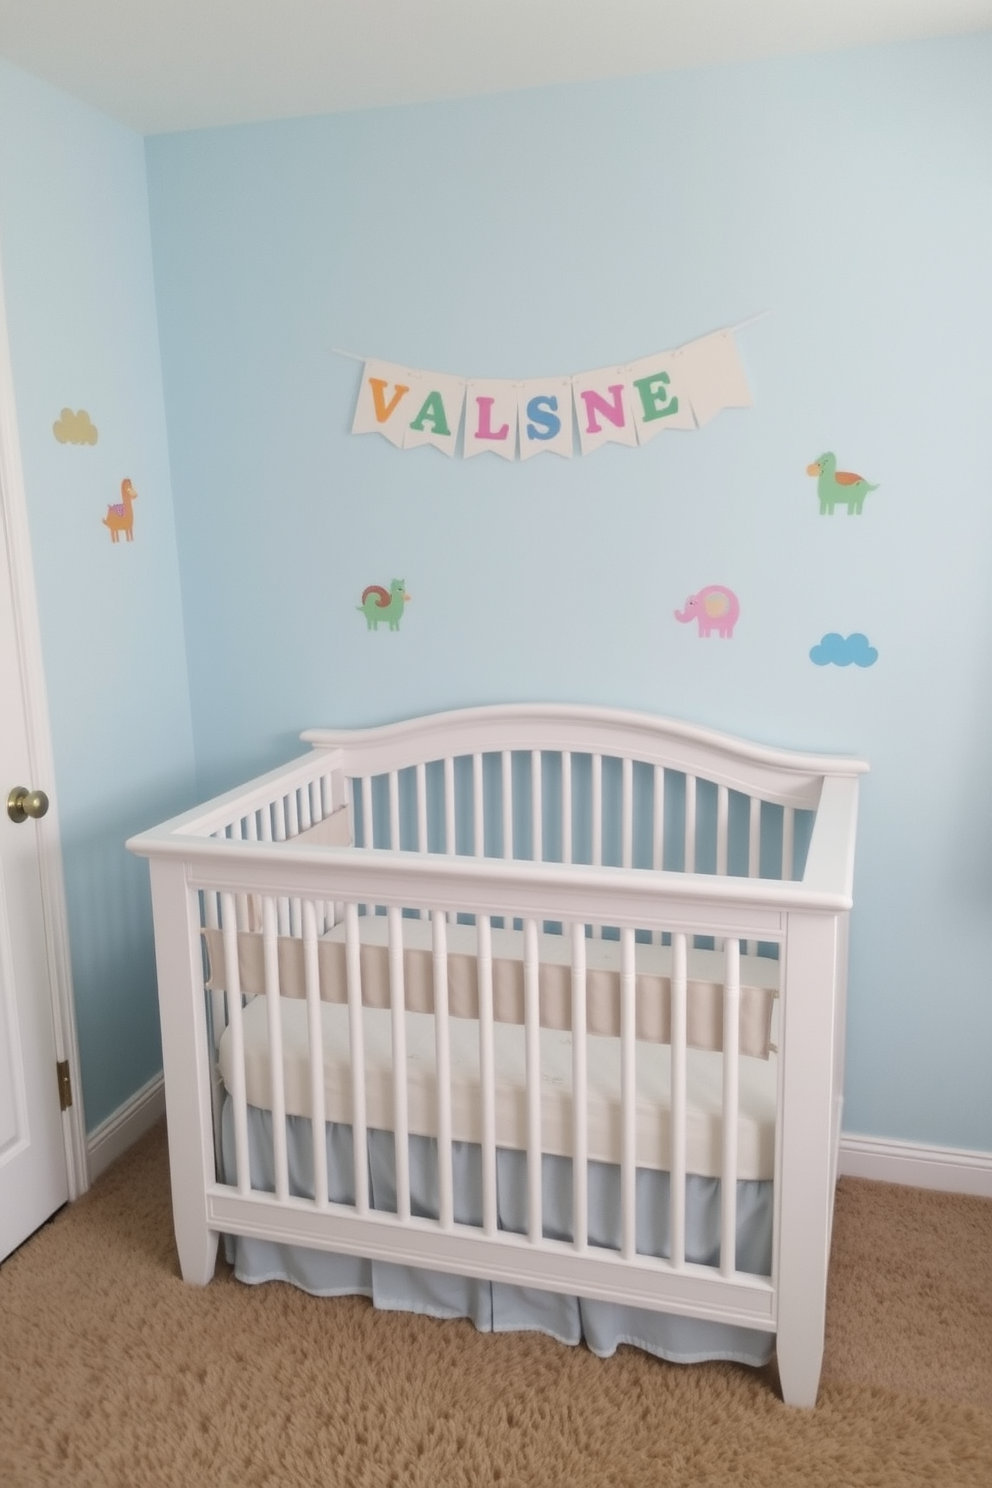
120,516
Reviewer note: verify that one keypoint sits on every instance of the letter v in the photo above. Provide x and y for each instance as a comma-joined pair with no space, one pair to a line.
383,409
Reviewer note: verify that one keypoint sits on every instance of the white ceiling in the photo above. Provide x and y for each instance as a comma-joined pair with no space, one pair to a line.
159,65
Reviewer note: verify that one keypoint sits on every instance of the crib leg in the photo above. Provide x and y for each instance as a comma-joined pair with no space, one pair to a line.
197,1248
799,1350
195,1242
806,1171
186,1058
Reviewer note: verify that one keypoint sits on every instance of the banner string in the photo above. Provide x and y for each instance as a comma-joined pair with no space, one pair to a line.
740,326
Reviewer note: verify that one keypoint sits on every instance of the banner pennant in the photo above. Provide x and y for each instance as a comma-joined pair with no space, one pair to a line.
631,404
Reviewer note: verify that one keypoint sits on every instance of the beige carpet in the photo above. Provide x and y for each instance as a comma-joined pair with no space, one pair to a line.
112,1372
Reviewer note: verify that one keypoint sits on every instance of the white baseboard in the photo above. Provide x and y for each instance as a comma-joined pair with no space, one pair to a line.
124,1126
947,1169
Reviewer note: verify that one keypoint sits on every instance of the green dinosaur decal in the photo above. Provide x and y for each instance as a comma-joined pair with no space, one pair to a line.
384,606
835,486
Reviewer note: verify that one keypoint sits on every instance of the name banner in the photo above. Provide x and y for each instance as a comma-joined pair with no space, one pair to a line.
629,404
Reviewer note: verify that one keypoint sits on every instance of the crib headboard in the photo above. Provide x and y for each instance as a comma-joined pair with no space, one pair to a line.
556,783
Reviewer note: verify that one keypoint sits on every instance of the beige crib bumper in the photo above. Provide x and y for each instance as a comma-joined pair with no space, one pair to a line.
653,966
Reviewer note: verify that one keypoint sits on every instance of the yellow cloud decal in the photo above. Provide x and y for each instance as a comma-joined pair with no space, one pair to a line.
75,428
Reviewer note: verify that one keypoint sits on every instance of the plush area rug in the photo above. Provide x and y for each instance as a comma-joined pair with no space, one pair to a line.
113,1373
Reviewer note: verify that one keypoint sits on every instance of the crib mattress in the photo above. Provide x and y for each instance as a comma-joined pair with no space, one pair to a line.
757,1086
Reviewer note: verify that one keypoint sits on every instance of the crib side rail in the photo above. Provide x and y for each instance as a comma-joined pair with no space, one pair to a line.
701,904
314,780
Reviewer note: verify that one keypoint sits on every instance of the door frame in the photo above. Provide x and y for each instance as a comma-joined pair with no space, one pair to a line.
41,760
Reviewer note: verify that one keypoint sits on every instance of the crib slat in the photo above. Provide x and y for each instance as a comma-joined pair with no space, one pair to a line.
537,807
658,820
597,821
722,829
532,1034
397,1003
449,805
422,816
368,828
289,909
506,778
658,831
753,852
442,1055
689,862
478,808
356,1030
628,1097
788,842
394,810
421,807
311,978
232,981
270,953
677,1165
731,1077
597,809
211,919
627,812
487,1074
754,838
580,1093
237,835
324,804
566,806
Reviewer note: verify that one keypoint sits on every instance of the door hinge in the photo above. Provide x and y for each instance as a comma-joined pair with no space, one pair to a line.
65,1084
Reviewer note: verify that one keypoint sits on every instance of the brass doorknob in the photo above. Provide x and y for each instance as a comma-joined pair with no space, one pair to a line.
22,803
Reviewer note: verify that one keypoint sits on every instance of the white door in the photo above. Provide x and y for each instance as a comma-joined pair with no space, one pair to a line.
33,1173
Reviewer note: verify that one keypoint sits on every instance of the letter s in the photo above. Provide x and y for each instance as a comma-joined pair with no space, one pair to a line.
544,412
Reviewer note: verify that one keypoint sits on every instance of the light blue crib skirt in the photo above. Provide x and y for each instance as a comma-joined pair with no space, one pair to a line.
495,1306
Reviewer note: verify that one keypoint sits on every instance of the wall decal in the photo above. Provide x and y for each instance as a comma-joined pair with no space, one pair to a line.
842,651
384,606
715,608
120,516
75,428
628,404
838,486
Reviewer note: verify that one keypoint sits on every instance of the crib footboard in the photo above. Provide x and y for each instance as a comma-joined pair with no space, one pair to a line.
609,1016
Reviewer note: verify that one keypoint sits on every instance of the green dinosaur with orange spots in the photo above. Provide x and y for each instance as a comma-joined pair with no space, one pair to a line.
838,486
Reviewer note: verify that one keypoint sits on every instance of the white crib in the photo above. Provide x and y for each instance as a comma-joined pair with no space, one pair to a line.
554,932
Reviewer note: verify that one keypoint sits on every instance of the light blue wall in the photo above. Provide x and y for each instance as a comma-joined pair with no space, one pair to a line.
74,241
564,229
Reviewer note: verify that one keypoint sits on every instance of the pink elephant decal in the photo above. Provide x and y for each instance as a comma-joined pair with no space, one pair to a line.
715,608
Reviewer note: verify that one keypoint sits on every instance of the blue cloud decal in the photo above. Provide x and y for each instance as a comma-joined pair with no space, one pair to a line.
838,650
